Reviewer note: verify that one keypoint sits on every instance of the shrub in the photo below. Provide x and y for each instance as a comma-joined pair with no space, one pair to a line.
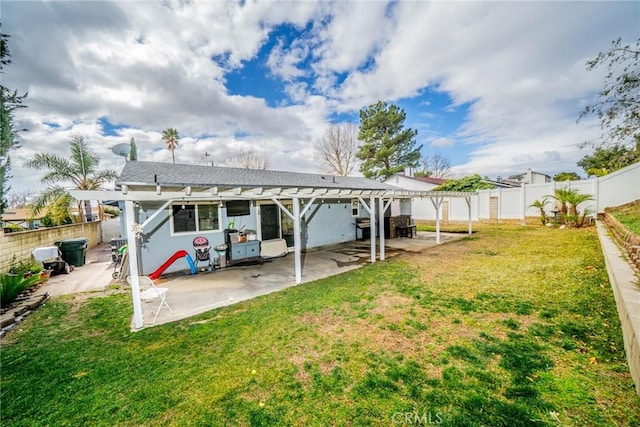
13,285
27,265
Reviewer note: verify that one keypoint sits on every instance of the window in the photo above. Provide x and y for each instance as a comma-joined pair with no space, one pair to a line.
195,218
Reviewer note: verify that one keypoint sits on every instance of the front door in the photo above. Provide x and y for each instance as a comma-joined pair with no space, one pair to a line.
275,224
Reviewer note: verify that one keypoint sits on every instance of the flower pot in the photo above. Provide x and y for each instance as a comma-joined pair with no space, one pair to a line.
44,275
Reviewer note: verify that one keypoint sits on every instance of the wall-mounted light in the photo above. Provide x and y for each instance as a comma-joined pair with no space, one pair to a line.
183,206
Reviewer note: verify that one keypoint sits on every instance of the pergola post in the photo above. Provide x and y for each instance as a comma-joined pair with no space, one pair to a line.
436,204
297,239
381,227
132,242
371,209
372,216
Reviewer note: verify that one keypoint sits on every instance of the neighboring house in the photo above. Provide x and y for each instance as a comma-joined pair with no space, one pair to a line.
22,217
418,208
529,177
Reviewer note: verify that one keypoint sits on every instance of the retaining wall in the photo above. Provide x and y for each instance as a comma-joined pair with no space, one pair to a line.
624,282
23,243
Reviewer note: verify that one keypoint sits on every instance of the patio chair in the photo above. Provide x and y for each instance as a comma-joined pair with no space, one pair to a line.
203,250
149,291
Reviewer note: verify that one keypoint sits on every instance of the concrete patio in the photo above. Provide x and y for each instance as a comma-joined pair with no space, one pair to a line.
189,295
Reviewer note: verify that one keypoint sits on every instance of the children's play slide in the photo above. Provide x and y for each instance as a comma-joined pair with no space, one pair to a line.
171,260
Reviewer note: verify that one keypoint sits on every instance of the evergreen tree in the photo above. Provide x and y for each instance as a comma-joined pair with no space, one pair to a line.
9,102
133,153
387,147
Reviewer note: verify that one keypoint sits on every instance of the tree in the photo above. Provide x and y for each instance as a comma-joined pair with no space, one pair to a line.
607,159
436,166
59,211
468,183
79,172
248,160
172,138
10,101
541,205
336,150
387,147
618,103
569,199
566,176
19,199
133,152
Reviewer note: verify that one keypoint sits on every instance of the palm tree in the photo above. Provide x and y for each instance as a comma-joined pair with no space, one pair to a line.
171,137
541,204
79,172
569,199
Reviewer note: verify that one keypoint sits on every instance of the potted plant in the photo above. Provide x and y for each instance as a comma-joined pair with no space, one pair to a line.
25,267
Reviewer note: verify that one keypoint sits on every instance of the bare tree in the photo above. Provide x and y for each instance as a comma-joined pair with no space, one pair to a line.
436,166
249,160
336,149
19,199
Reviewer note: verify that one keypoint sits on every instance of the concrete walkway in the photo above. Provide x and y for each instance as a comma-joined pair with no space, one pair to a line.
624,283
94,276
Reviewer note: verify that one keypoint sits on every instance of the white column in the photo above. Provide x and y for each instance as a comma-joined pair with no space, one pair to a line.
132,242
297,239
372,216
381,222
436,204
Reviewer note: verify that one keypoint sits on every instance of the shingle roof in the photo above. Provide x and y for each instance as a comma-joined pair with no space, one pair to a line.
169,174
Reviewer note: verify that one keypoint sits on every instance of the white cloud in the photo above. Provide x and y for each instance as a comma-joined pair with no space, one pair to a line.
152,65
442,142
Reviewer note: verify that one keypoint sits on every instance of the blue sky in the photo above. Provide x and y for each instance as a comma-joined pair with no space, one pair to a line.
495,87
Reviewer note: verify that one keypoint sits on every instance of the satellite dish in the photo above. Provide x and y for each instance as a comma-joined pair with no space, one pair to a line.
121,149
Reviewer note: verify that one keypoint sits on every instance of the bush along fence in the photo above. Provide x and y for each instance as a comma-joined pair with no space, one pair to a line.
627,240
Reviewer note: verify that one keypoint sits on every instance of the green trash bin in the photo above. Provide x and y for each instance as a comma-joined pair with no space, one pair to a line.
74,251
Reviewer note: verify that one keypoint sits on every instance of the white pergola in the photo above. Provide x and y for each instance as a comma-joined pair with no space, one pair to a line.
302,199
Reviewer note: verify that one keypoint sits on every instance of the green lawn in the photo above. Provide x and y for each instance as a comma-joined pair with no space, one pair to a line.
510,326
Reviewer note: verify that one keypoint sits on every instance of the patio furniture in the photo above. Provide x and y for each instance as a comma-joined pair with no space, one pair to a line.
363,228
149,291
241,251
405,226
203,251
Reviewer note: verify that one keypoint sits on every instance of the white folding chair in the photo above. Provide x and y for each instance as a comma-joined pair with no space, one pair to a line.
149,291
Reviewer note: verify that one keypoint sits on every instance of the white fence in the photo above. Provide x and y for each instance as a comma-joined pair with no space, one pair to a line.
615,189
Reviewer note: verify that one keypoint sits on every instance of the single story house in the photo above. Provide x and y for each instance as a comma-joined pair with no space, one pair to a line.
22,217
166,206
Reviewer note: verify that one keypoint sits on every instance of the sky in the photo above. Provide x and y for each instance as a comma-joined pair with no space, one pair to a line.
495,87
